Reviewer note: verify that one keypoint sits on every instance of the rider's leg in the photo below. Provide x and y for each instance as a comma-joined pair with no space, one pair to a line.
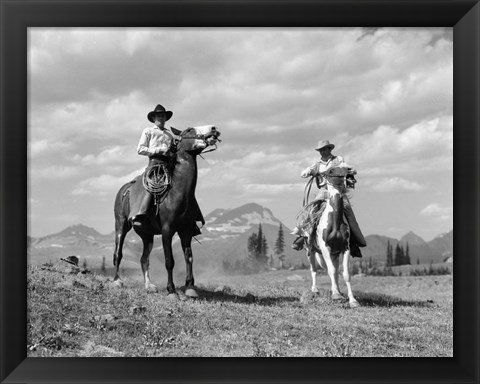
139,210
355,232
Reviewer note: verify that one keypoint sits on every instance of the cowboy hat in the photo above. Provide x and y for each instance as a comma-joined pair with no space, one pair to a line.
159,109
323,144
71,260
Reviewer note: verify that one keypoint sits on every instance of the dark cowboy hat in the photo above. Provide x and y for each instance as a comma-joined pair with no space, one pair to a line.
158,109
71,260
323,144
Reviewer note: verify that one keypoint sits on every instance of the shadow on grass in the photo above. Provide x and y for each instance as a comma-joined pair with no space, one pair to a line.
228,297
368,299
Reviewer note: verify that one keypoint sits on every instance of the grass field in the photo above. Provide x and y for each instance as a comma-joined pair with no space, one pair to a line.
269,314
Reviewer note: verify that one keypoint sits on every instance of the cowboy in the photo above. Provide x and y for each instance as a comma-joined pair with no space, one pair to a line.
159,144
328,161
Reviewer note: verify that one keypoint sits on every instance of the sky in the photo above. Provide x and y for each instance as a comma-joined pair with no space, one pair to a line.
384,97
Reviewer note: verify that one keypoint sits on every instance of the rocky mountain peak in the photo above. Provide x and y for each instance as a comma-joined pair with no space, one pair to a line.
79,230
412,239
240,219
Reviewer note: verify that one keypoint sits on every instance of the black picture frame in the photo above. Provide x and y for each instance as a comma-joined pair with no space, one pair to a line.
16,16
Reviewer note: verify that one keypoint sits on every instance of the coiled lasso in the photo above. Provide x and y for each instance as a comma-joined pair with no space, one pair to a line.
156,180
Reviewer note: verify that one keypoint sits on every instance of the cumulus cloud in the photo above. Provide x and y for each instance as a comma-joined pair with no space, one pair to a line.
109,156
393,184
384,96
46,146
104,184
56,172
426,146
437,211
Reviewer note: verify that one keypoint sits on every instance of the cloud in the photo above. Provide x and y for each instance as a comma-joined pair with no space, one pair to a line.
272,189
103,185
55,172
392,184
384,96
109,156
437,211
46,146
397,151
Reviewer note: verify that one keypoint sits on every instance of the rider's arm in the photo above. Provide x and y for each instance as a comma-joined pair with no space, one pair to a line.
310,171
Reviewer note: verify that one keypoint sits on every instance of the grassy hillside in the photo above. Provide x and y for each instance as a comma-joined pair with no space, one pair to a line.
272,314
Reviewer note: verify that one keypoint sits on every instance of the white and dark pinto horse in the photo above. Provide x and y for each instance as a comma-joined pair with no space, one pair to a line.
332,237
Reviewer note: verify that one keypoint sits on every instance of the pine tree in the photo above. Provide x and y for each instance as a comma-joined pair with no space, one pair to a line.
257,248
280,246
103,268
398,255
263,255
389,254
280,243
252,246
259,245
407,256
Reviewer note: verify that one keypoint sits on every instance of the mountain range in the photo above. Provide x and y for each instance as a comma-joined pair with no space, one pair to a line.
224,237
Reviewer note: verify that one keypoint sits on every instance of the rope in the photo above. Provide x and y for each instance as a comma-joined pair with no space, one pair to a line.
156,182
306,193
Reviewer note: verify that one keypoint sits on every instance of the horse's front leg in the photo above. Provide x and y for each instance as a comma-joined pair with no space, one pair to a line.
145,261
313,269
169,261
332,267
186,240
346,276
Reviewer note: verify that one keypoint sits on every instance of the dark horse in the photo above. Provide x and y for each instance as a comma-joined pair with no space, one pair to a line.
176,213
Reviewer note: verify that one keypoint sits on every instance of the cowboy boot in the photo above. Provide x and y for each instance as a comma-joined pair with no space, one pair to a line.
355,250
298,243
143,207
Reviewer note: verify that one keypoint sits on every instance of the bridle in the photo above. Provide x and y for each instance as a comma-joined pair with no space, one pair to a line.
339,188
201,136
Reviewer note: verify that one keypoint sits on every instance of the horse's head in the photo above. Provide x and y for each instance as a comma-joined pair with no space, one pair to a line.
336,177
199,138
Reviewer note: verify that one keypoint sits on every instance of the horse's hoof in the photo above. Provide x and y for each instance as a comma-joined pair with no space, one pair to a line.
151,288
354,304
315,290
172,296
190,292
337,296
118,283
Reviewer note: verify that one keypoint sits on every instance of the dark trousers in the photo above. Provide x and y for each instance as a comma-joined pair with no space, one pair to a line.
352,222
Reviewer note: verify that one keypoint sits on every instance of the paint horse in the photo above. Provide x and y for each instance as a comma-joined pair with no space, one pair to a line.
332,236
175,214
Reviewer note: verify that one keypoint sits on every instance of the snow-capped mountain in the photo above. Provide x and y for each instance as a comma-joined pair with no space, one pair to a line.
224,237
225,223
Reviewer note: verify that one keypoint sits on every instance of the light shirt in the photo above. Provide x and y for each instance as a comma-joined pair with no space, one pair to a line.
323,165
154,138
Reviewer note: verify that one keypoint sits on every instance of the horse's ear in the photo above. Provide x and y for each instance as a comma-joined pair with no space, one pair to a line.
176,131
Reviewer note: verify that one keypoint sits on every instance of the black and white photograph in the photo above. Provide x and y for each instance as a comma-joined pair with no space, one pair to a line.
240,192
